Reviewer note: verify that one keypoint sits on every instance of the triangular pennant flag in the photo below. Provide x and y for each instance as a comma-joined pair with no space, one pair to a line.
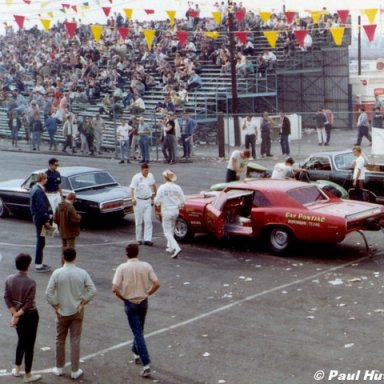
74,7
19,20
46,24
9,2
271,36
337,34
193,13
66,6
106,10
62,10
50,14
265,16
149,11
217,17
27,1
240,15
123,32
371,14
290,15
300,36
343,14
242,36
370,31
110,1
128,13
96,31
171,15
316,16
212,35
182,36
71,28
149,36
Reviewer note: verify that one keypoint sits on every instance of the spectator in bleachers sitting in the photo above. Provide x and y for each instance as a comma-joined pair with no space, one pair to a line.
165,106
137,106
194,81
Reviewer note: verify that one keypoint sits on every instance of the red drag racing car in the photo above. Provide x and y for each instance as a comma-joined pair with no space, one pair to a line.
278,211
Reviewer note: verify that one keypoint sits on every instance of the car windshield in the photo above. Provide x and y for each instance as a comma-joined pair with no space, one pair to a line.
91,180
344,160
307,195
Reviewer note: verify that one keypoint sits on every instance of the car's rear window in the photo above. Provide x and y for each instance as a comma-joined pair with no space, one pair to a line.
91,180
306,195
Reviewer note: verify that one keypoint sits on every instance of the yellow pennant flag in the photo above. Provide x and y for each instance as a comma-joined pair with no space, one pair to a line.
128,13
265,16
171,15
50,14
271,36
149,35
371,14
316,16
9,2
337,34
85,7
96,31
217,17
46,24
212,35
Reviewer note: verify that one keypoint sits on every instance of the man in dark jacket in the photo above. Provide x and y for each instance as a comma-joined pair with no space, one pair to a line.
68,221
285,131
40,213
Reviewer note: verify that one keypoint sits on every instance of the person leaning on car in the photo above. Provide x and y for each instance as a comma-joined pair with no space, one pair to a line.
236,164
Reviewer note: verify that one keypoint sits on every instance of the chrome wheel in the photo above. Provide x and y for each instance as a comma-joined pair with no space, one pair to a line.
182,231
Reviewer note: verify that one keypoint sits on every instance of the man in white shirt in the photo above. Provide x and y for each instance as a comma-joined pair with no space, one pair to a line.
236,165
122,135
358,172
143,190
250,129
284,170
170,198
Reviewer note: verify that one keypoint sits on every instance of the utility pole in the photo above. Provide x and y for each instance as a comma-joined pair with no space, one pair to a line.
232,51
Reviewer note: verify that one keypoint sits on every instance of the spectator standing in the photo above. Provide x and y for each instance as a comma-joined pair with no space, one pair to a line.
265,132
53,185
90,133
320,120
14,124
68,221
68,131
378,103
19,296
285,131
170,138
39,205
358,172
122,135
51,127
36,129
170,198
188,127
250,129
143,190
134,281
363,127
82,128
328,125
377,118
99,130
69,289
236,165
144,138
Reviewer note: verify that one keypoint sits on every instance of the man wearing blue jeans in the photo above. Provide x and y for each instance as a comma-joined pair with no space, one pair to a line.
134,282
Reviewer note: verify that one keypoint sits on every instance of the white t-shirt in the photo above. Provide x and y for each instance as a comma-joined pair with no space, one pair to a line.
122,132
281,171
250,127
359,164
236,155
142,186
171,198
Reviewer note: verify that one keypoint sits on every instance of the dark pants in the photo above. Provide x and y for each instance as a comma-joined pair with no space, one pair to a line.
250,141
164,149
40,243
265,144
328,128
284,142
52,141
186,140
68,142
230,176
26,331
144,147
136,314
363,132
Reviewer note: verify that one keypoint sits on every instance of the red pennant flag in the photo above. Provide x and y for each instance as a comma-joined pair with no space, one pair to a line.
300,36
74,7
242,36
193,13
106,10
370,31
343,14
290,15
110,1
123,32
27,1
19,20
65,6
71,28
182,36
149,11
240,15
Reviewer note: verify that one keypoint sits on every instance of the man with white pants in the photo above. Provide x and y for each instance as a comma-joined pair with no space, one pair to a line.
170,198
143,191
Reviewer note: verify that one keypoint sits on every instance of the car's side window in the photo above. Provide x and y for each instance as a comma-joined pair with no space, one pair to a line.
31,181
260,200
319,163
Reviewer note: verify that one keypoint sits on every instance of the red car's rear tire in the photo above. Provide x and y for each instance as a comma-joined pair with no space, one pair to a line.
182,231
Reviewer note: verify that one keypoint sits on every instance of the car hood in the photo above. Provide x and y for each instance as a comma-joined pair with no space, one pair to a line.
104,194
344,208
14,184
